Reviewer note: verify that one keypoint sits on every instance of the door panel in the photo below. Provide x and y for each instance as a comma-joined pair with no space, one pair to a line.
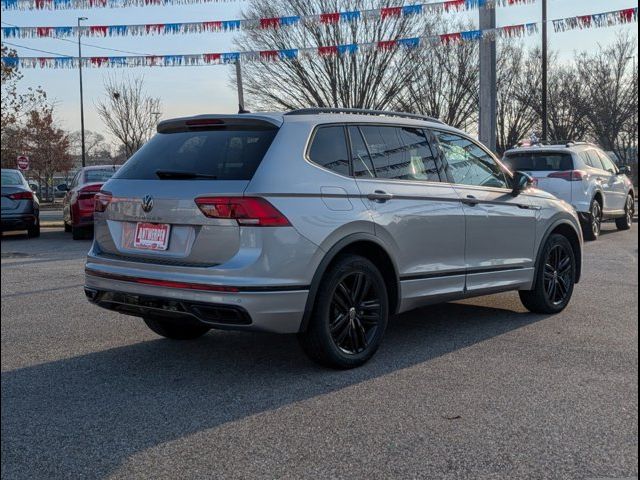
500,228
421,218
613,185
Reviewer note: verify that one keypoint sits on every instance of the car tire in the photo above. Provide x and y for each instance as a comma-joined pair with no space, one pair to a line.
625,223
79,233
176,329
593,225
555,278
34,232
349,316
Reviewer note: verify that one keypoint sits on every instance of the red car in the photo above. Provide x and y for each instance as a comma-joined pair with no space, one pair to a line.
77,205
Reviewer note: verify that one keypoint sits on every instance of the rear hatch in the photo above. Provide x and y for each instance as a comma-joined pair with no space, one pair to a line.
150,210
16,196
551,171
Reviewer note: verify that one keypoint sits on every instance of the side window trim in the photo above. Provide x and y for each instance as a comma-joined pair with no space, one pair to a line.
347,128
508,178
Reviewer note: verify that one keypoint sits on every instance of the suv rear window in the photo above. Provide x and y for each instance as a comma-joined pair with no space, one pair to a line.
223,153
539,161
101,175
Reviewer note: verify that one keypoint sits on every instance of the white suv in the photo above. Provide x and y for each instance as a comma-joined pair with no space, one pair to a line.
582,175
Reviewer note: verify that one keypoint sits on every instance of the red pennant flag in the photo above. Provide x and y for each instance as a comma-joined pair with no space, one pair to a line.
269,54
390,12
269,22
327,51
97,61
450,38
98,30
212,26
154,27
627,15
211,57
43,31
456,5
387,45
329,17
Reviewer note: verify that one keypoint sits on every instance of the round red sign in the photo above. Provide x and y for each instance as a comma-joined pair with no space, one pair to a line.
23,162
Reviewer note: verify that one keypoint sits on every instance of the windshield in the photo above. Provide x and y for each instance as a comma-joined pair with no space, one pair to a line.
227,153
12,179
539,161
91,176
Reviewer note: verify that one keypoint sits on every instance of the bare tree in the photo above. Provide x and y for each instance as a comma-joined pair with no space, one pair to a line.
612,93
128,112
518,70
372,78
446,81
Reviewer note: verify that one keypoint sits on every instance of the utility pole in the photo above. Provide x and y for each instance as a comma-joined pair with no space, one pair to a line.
84,159
545,84
488,80
240,87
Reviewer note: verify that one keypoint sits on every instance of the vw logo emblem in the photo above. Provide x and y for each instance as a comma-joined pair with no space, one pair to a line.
147,203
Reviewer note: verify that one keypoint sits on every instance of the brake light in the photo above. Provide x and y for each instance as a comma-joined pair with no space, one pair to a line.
21,196
203,122
88,192
101,201
248,211
568,175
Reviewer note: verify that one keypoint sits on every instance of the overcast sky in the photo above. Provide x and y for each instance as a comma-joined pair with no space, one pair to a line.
193,90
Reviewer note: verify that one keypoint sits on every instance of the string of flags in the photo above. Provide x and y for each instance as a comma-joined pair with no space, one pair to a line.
606,19
186,28
273,55
86,4
596,20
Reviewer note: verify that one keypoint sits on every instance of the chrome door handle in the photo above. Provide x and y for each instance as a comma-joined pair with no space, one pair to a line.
380,196
470,201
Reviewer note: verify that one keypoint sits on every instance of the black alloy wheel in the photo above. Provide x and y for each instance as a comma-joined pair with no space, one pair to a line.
626,222
558,274
355,313
349,315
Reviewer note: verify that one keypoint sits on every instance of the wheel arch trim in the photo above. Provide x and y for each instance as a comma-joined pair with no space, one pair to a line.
331,254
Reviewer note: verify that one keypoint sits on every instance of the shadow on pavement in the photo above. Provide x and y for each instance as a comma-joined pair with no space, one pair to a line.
84,416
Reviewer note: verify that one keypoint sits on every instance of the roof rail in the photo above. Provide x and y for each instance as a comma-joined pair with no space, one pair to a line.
362,111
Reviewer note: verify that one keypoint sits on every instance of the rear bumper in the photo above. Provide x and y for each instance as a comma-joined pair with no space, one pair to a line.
278,310
20,221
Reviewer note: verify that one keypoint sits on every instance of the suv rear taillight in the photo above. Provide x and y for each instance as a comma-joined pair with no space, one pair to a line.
21,196
88,192
568,175
101,201
247,211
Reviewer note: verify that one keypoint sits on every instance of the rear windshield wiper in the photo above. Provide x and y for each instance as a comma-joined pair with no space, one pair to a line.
182,175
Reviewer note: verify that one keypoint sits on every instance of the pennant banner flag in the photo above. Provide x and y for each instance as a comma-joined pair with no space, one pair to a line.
607,19
456,38
251,24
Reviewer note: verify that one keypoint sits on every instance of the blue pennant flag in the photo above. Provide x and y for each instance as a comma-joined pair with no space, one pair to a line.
231,25
288,21
172,27
63,31
8,32
471,35
289,54
348,49
409,42
118,30
232,57
350,16
412,10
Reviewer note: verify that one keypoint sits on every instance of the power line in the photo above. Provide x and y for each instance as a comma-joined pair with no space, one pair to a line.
35,49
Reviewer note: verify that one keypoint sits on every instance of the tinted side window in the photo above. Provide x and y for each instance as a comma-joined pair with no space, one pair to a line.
401,153
360,159
468,164
592,159
329,149
607,162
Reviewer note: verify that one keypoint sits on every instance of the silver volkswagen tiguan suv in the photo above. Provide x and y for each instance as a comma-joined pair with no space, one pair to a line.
321,222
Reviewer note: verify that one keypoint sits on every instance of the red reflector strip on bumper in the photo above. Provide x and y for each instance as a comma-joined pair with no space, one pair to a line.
164,283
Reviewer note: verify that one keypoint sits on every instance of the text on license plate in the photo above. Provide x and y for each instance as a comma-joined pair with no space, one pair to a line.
152,236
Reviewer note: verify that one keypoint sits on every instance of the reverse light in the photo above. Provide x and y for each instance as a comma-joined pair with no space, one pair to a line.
21,196
247,211
569,175
101,201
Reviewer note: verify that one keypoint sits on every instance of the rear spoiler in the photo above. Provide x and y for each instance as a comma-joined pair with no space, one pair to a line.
206,122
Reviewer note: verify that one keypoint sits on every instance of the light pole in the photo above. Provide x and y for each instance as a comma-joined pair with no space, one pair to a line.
84,159
156,115
545,88
635,112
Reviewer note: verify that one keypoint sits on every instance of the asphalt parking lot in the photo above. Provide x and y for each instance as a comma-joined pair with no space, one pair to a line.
473,389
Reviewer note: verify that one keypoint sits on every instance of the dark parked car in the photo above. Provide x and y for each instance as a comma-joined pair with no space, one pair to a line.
20,206
77,205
